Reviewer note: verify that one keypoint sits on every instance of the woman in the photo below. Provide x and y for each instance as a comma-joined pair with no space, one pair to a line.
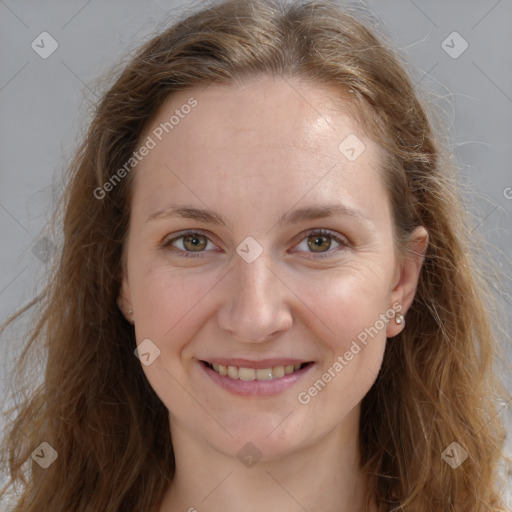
265,297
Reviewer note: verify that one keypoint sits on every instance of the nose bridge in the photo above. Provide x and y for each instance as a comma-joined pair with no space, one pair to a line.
255,308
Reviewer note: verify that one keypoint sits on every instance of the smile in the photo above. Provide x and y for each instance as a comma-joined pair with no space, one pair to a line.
248,374
257,382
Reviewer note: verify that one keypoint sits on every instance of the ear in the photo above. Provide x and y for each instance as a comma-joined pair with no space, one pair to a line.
406,276
124,299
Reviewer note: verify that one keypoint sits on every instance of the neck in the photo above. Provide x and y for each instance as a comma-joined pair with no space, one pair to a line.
325,475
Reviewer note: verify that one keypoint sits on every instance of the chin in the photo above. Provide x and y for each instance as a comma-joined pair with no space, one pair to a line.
269,438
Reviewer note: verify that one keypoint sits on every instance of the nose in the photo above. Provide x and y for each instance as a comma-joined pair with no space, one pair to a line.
256,306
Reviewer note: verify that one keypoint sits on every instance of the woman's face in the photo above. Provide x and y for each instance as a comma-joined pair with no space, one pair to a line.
254,284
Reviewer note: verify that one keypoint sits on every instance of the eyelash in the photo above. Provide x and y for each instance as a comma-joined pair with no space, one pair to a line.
315,232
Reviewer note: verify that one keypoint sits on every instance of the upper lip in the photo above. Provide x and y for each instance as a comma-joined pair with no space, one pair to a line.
259,364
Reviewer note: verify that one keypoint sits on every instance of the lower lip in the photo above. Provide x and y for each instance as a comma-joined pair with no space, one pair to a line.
255,387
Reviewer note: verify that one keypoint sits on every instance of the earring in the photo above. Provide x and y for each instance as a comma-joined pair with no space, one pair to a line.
399,319
130,311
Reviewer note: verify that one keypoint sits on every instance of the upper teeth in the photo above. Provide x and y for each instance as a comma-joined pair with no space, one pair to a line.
275,372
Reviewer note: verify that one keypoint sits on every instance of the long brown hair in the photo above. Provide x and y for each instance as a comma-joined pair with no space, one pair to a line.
436,386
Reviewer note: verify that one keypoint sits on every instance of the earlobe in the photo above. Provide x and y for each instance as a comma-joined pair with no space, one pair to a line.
406,283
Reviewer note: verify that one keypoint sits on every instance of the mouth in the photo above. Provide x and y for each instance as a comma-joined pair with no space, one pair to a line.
260,374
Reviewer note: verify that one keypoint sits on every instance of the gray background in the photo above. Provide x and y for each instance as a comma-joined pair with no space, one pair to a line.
44,106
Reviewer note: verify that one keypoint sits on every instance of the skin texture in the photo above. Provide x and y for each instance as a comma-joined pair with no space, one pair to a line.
253,152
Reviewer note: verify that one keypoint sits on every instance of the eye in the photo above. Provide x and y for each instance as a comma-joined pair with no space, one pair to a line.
190,241
320,241
193,243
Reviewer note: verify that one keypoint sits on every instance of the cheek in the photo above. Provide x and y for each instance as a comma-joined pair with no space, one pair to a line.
345,302
170,310
350,312
167,302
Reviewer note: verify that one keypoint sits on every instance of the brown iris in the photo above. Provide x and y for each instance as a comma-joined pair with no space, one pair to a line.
324,240
197,241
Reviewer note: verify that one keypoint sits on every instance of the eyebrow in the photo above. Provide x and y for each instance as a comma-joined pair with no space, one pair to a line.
290,217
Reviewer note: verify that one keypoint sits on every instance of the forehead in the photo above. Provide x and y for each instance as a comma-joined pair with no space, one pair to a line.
265,136
267,110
